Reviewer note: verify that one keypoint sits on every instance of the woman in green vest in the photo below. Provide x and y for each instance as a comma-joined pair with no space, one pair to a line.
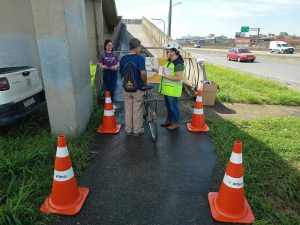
171,84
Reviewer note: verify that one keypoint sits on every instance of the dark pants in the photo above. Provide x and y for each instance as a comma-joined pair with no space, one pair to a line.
172,108
110,81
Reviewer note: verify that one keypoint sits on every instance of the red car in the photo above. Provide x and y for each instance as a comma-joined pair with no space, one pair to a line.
240,54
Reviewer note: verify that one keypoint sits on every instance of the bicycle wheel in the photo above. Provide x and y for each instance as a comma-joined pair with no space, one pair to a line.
152,124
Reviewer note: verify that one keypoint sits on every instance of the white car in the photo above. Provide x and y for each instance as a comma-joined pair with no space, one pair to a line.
21,93
197,45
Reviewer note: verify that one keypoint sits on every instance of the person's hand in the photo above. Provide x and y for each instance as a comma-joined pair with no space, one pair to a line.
154,69
105,67
115,67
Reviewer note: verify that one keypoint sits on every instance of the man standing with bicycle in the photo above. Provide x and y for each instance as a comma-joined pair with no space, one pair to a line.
133,71
171,84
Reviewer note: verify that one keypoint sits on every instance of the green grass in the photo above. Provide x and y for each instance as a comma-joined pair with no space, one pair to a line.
271,159
27,154
238,87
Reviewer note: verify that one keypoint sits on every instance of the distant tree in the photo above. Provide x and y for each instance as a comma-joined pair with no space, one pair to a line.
283,35
294,36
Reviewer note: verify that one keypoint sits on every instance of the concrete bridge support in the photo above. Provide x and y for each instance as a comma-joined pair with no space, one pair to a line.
61,35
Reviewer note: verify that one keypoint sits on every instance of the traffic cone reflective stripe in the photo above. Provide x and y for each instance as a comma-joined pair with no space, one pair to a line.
198,122
233,182
62,152
109,113
109,125
230,204
66,198
63,175
198,111
236,158
199,99
108,100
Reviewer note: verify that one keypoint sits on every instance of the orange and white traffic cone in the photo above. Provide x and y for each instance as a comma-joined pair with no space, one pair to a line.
109,125
198,122
230,204
66,198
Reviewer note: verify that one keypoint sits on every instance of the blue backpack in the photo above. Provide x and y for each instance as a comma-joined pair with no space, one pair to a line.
129,81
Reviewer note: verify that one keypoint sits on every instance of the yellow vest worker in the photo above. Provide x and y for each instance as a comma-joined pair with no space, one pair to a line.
171,85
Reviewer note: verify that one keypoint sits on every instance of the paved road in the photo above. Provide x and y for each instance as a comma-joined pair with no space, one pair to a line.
276,68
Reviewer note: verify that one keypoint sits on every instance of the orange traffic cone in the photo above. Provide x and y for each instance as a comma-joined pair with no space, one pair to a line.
230,204
66,198
109,125
198,123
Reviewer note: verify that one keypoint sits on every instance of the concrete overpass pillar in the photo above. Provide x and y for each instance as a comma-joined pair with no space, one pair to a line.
61,34
94,16
99,17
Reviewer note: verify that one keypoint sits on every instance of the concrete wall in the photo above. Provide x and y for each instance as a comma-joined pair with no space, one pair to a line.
59,37
62,43
106,32
95,28
17,35
91,30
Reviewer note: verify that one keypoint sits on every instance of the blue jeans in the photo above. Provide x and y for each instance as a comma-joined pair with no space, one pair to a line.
110,81
172,108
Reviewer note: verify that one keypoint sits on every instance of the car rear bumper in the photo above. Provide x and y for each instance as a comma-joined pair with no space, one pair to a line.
13,112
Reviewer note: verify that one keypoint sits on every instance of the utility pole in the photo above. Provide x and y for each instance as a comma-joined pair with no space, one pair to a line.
170,19
170,16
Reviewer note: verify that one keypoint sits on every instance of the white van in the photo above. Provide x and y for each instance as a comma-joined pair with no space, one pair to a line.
280,47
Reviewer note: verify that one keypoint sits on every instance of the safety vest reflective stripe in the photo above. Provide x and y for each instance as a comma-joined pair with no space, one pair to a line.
62,152
108,112
232,182
107,100
167,81
63,175
198,111
199,99
236,158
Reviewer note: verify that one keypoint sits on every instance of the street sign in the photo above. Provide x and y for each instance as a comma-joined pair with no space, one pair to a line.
244,29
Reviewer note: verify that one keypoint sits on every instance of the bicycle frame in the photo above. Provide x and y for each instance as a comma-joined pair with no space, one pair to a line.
149,113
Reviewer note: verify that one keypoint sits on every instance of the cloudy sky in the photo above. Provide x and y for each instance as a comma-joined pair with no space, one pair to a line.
219,17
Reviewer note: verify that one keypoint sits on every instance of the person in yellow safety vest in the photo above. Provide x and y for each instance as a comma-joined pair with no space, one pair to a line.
171,84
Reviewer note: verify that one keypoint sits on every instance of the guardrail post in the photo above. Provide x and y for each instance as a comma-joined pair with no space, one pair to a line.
201,63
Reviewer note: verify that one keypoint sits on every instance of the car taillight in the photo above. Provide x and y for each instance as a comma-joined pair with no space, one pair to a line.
4,85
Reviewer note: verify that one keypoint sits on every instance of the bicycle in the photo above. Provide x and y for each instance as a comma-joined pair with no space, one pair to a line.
149,112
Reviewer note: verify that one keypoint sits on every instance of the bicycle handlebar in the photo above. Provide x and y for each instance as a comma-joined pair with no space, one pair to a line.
147,87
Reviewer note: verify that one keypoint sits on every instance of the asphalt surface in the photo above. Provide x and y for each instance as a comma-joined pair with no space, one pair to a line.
133,180
284,70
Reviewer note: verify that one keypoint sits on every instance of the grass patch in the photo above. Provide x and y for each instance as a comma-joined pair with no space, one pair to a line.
27,152
271,158
238,87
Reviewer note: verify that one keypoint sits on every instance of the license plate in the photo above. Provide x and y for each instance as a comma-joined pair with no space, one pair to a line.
28,102
28,82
